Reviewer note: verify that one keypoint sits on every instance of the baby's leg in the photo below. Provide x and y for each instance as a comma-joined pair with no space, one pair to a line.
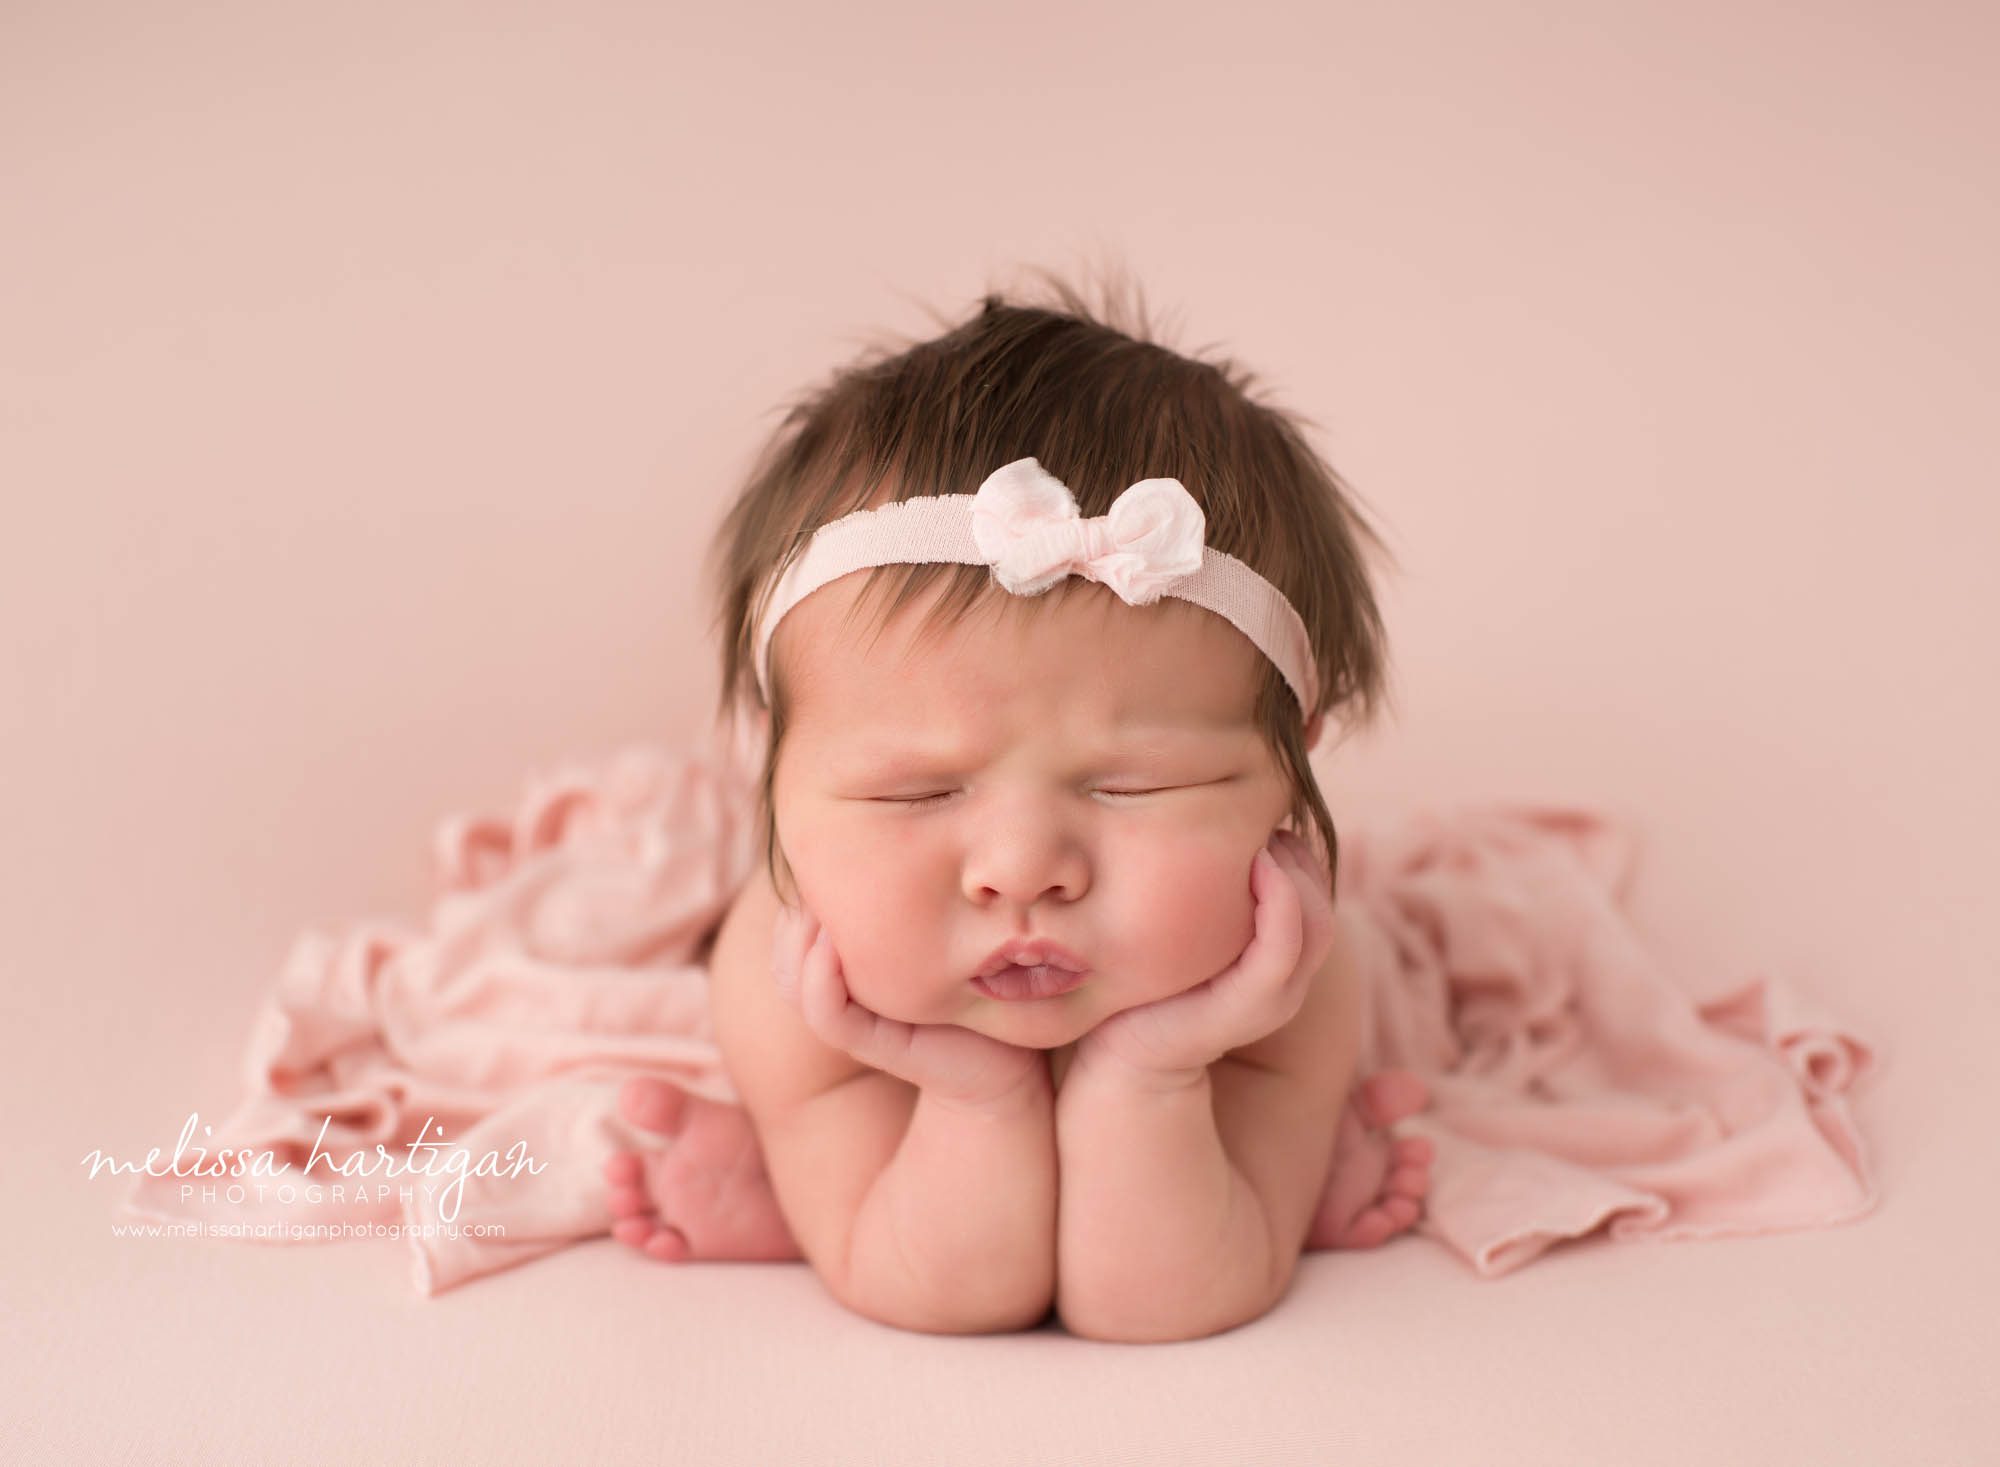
703,1194
1377,1186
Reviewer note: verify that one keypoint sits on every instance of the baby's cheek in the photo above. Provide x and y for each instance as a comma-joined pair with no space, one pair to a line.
874,927
894,967
1198,914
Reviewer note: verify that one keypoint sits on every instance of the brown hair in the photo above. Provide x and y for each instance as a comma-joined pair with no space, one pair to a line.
1100,404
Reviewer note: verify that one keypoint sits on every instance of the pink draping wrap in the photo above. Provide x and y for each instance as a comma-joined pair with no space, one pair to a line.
1575,1084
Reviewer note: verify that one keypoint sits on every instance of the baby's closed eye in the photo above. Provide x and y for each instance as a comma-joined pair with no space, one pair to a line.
1116,793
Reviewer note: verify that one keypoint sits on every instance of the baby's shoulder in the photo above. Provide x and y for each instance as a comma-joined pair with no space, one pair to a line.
774,1060
1325,1034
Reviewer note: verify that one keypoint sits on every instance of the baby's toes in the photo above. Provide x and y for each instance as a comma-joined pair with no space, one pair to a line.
1402,1212
1372,1226
668,1244
629,1202
1389,1095
652,1237
1409,1170
635,1221
624,1169
1400,1202
625,1191
652,1104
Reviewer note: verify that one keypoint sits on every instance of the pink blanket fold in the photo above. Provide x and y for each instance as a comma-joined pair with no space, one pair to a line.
1575,1084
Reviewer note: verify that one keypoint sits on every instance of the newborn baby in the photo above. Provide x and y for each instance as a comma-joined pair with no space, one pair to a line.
1038,1000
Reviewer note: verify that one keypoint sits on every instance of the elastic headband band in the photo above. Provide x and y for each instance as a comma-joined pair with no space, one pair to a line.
1024,523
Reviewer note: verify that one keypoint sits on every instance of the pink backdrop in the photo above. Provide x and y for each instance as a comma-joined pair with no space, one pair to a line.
372,377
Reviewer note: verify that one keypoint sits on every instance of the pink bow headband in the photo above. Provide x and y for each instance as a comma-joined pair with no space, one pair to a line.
1024,523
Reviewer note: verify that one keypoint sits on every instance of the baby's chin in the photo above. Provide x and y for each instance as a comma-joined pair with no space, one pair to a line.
1047,1031
1042,1023
1036,1023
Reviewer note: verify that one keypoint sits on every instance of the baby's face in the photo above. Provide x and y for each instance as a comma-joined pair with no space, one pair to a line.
1030,727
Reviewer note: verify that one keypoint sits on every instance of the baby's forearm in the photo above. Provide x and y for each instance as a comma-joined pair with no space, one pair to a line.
1158,1235
958,1233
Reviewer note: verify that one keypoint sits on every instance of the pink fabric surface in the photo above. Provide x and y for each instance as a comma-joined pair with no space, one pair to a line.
1576,1085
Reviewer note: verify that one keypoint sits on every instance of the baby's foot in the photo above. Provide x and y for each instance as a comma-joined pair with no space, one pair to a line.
703,1194
1378,1185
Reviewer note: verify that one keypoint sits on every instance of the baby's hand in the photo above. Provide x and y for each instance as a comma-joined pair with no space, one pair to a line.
1174,1040
944,1060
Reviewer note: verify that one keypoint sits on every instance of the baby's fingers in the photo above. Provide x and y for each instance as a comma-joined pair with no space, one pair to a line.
821,992
1314,889
791,934
1267,984
832,1014
1279,938
940,1058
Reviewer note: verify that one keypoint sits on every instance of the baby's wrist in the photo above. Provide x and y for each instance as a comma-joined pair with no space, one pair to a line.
1031,1091
1101,1066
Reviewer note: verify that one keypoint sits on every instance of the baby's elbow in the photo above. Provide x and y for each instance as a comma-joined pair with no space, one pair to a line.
1152,1331
1162,1320
962,1314
974,1301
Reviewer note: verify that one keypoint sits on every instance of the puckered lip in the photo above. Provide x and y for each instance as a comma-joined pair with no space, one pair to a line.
1029,953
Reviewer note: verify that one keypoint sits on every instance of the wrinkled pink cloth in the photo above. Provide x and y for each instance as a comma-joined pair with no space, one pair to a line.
1575,1085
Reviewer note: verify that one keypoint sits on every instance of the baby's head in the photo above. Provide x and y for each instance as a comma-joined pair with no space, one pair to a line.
950,765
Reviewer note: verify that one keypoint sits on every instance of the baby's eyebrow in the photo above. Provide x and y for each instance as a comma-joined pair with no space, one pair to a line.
1149,740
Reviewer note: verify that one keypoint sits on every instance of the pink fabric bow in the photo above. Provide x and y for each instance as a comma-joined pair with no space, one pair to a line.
1026,525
